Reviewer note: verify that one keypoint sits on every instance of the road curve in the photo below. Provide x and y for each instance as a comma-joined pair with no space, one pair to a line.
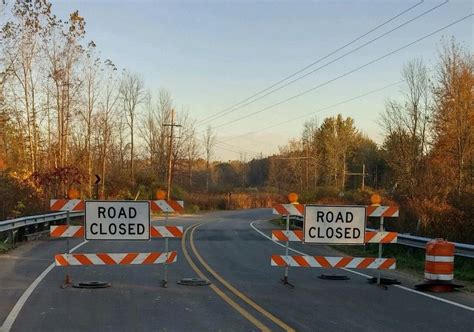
224,248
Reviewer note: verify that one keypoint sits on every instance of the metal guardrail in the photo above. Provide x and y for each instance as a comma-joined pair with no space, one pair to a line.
462,249
12,225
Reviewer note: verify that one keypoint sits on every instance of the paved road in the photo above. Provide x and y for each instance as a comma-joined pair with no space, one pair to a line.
245,295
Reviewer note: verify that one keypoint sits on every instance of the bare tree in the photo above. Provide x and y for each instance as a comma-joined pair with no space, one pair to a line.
148,129
192,153
21,47
209,139
107,113
91,87
131,95
63,52
406,126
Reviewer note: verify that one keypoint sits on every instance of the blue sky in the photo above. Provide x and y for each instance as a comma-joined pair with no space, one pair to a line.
211,54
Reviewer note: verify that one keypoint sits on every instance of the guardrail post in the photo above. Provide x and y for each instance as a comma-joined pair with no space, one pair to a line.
11,237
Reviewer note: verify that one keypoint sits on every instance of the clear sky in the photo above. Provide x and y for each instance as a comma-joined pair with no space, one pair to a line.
212,54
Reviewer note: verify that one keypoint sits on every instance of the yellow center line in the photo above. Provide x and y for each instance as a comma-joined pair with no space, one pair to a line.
243,297
216,289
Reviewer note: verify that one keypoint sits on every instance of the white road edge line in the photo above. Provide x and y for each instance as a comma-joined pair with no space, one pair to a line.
365,275
10,320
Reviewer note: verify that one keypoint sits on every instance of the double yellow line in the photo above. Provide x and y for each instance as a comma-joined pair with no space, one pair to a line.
227,285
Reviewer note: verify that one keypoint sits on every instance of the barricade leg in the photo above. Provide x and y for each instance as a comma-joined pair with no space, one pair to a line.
380,251
284,280
164,283
68,278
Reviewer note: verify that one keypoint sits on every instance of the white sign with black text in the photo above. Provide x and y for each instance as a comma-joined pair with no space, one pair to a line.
329,224
117,220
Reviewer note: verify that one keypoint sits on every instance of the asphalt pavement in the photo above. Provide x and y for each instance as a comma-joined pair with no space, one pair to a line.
246,292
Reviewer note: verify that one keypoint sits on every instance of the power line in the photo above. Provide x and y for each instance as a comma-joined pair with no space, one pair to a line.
308,158
426,12
236,147
213,117
346,73
320,110
331,62
315,62
239,151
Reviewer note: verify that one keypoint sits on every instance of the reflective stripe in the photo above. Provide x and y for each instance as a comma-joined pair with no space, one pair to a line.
431,276
444,259
166,231
162,205
334,262
439,267
66,205
66,231
281,235
288,209
380,237
115,259
382,211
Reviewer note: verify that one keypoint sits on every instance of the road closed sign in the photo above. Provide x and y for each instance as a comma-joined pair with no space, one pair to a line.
329,224
117,220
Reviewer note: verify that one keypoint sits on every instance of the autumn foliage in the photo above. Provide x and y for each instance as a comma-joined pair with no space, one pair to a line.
66,114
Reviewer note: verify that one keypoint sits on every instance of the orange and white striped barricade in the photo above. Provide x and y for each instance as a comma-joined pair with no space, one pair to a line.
382,212
287,235
108,212
288,209
66,204
380,237
334,262
166,206
370,236
78,231
116,259
167,231
439,267
66,231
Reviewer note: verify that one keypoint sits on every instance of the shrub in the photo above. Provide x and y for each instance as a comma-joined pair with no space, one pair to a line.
18,197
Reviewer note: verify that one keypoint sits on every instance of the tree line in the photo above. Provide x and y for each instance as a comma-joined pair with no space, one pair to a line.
67,114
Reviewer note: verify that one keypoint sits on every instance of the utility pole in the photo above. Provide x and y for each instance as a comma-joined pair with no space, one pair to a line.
344,173
363,177
170,151
307,166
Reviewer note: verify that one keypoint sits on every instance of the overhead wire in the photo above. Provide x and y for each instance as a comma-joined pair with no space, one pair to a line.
334,60
206,119
318,110
239,151
346,73
347,53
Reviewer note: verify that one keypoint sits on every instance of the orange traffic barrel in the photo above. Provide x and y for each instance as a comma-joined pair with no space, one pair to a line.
439,261
439,266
